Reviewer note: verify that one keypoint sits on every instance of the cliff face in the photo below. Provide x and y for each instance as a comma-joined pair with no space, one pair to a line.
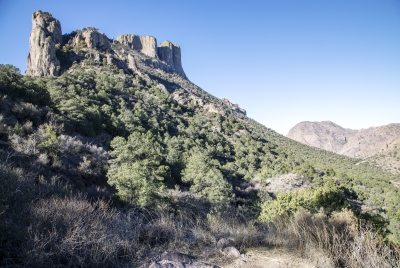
354,143
46,34
171,54
145,44
52,53
168,53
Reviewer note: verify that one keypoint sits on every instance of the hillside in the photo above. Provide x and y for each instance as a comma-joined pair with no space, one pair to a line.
388,160
110,156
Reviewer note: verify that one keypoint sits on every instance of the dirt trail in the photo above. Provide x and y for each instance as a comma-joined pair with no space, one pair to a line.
271,258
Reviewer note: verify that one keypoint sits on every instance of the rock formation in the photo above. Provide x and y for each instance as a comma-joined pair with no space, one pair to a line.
171,54
354,143
234,106
92,38
46,34
168,53
145,44
46,39
132,63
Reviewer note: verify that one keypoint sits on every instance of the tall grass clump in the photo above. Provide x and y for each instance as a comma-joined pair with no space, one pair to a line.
336,241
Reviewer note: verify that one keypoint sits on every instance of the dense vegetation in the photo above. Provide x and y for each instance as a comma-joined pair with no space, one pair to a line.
96,123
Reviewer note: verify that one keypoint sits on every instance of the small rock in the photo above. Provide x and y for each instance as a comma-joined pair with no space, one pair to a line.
231,252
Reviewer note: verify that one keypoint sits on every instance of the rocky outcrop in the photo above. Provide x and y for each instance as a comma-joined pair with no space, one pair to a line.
354,143
234,106
166,57
91,38
285,183
132,63
171,54
46,34
145,44
46,39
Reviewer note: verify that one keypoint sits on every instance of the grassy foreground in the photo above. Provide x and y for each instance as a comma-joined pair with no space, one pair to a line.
46,224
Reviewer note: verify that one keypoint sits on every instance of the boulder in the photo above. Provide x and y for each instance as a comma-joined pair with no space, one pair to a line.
231,252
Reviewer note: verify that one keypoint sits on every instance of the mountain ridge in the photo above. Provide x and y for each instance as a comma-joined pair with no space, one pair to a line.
362,143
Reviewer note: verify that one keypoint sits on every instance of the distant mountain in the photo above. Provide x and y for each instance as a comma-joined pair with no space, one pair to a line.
362,143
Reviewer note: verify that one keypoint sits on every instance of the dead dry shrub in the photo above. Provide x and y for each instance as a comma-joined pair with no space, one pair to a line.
336,241
359,245
72,231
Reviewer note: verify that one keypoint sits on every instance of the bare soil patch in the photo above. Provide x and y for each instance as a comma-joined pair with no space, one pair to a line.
271,258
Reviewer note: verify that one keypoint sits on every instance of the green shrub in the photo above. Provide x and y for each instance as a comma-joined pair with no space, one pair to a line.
51,143
328,197
136,169
206,179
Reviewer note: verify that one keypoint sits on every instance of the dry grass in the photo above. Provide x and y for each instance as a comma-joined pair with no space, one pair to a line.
72,231
44,224
338,241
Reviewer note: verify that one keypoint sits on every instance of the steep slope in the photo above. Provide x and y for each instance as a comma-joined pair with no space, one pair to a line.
361,143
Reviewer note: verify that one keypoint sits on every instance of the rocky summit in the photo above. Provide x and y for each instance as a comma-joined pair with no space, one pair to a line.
50,53
360,143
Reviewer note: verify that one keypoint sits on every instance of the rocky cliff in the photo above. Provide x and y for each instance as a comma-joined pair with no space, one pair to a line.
361,143
52,53
171,54
145,44
45,36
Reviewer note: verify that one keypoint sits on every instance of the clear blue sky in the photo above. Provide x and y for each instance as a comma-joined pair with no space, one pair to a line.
283,61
